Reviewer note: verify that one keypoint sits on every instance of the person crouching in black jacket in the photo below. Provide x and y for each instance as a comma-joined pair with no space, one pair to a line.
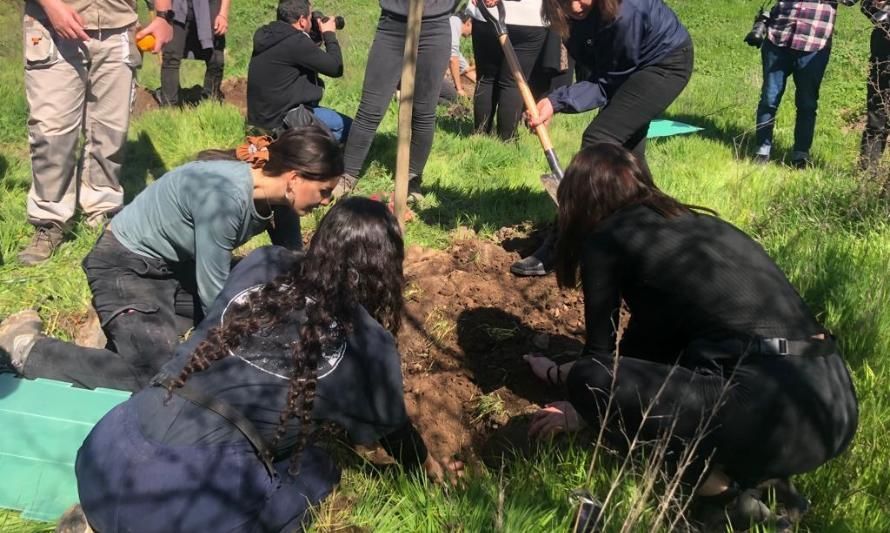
285,68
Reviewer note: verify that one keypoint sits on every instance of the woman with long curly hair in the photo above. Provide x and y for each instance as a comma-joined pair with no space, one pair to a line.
162,260
223,441
721,357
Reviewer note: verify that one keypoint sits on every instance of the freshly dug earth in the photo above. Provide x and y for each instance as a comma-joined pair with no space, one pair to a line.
234,92
467,323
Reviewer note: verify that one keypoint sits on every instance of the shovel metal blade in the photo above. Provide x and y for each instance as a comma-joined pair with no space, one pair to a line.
551,184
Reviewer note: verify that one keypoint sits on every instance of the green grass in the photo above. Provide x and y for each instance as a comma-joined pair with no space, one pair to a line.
825,226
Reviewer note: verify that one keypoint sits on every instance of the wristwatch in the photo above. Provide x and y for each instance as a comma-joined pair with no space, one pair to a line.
167,15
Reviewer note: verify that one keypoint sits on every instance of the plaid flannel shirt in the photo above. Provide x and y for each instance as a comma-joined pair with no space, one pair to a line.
803,26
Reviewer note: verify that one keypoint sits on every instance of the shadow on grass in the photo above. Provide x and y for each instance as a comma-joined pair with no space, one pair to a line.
741,140
486,208
4,167
143,161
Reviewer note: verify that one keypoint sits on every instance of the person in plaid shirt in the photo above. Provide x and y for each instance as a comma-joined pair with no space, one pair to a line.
798,44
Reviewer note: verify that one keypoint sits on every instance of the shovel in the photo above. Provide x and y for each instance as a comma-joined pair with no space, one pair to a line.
550,181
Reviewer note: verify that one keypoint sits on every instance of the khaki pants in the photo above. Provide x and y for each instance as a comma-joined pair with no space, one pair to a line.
73,88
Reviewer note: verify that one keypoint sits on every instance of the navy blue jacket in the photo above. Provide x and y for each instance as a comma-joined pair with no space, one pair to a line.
644,32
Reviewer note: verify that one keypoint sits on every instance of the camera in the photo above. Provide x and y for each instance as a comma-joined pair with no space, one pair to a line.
758,31
315,32
882,12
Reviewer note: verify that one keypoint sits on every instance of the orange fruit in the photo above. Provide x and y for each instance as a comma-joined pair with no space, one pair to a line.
146,43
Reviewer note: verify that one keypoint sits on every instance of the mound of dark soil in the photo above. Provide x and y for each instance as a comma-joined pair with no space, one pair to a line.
468,322
234,92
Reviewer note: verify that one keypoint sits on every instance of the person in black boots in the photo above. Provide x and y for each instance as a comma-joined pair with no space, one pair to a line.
199,30
877,125
721,358
286,66
382,74
497,94
639,58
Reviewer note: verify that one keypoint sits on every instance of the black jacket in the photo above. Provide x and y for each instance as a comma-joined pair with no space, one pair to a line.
284,72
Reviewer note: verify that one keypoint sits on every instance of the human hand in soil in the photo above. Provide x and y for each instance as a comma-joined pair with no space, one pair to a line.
542,367
64,19
447,471
545,113
556,417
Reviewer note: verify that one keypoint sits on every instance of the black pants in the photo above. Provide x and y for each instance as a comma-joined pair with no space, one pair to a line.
185,40
773,416
144,306
877,124
496,91
641,98
382,74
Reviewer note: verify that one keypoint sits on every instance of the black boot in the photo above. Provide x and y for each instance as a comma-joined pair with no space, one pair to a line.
540,263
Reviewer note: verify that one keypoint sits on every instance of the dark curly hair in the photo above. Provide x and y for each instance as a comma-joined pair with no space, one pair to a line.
354,259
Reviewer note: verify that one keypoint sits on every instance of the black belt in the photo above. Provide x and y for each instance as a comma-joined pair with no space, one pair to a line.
765,346
232,415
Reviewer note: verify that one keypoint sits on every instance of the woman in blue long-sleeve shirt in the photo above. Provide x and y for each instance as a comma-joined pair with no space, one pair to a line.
633,57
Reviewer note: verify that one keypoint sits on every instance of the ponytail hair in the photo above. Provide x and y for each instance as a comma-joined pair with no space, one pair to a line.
310,151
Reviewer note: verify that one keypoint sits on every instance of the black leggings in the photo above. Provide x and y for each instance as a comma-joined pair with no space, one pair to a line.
641,98
382,75
496,90
185,40
877,125
144,306
773,417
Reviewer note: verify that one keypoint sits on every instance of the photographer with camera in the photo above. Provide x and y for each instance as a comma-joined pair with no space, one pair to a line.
285,68
795,40
877,125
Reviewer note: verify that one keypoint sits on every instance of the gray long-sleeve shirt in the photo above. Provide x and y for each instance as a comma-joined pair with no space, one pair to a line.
198,212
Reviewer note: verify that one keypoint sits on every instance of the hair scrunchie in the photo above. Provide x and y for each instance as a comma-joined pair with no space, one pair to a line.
255,151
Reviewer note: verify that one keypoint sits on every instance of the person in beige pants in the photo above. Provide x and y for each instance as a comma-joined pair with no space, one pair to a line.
80,60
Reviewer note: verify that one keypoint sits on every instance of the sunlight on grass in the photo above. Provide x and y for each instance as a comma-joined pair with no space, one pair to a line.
823,226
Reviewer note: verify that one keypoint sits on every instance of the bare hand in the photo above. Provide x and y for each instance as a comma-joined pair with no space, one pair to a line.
65,20
327,25
545,113
541,367
162,31
462,93
220,25
445,472
556,417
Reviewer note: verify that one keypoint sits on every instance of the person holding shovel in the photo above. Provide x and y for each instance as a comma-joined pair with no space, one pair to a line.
721,359
225,439
634,57
158,266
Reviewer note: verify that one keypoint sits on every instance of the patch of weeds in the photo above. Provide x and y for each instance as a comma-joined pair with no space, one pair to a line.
438,326
489,407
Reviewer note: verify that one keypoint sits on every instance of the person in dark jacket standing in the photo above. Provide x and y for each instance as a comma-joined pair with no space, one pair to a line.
877,125
637,58
382,75
721,359
286,66
199,29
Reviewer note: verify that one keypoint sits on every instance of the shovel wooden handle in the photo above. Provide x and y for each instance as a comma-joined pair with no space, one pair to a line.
530,105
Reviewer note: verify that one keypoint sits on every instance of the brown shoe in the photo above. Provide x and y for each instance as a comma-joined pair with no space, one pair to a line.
17,335
74,521
344,187
44,242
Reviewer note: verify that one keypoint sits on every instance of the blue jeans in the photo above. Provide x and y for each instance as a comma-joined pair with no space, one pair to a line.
808,68
338,123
